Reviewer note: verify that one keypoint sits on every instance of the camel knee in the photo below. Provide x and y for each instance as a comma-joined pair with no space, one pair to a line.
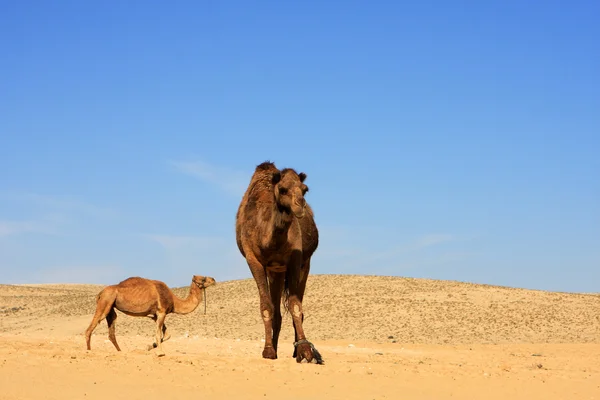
297,310
267,315
295,306
267,311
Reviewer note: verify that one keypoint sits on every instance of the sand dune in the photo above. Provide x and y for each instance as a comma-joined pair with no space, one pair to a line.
415,337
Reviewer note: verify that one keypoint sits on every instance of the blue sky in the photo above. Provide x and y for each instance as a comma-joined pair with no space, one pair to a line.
446,140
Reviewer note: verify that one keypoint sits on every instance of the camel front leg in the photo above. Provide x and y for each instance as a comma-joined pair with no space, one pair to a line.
276,283
303,349
266,305
165,335
301,289
160,321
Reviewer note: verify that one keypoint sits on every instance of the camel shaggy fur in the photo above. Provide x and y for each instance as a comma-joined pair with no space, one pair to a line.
140,297
277,234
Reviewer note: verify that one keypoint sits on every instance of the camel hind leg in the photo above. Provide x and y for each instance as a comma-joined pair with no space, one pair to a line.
104,305
110,320
98,316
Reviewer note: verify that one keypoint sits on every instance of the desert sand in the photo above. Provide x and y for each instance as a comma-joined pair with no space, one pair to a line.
381,337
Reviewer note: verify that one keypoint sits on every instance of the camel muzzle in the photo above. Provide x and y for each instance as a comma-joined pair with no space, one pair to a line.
298,211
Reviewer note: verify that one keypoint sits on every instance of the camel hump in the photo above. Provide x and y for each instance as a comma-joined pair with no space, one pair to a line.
132,281
266,166
265,176
267,172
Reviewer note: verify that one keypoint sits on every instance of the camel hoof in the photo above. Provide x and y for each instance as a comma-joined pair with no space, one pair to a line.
160,354
305,350
269,353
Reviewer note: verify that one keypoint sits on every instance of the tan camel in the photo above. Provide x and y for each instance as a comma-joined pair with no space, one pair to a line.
140,297
277,234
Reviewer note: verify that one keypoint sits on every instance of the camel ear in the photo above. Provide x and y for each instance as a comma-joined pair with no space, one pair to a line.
276,178
302,176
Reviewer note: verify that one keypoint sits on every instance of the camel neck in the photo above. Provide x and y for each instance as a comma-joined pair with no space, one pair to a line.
189,304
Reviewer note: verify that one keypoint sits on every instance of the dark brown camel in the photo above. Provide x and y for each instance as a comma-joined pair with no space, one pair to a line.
277,234
140,297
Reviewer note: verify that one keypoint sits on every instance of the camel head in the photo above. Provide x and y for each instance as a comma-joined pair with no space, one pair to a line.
289,190
203,281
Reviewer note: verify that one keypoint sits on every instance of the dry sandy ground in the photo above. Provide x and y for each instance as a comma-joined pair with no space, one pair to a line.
381,337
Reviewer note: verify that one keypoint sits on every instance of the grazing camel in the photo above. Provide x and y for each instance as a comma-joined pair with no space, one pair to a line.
140,297
277,234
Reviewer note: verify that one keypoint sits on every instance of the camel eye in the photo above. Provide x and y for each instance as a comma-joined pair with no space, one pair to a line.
305,190
282,191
